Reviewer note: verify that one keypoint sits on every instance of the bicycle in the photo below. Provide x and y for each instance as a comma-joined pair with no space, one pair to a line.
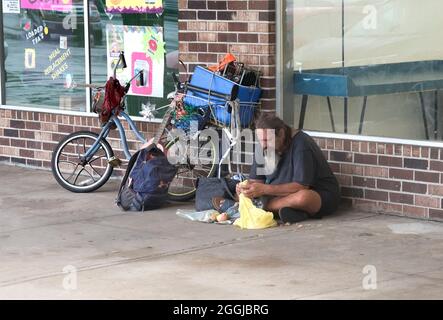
84,161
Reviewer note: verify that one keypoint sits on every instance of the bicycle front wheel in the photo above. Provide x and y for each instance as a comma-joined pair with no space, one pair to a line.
72,171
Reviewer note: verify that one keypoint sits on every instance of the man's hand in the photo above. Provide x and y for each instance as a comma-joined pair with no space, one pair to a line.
254,189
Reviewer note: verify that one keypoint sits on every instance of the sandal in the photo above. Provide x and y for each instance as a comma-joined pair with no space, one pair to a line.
222,204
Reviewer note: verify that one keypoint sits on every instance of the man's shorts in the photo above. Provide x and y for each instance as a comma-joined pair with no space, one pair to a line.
329,202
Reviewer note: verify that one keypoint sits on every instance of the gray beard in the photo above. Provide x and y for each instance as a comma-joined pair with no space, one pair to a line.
272,158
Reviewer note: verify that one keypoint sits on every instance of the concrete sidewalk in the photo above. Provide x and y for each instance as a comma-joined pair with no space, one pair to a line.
46,230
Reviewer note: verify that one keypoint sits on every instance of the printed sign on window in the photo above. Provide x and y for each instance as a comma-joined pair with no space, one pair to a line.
11,6
55,5
144,50
134,6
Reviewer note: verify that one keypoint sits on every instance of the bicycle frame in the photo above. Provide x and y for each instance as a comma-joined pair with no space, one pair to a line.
107,128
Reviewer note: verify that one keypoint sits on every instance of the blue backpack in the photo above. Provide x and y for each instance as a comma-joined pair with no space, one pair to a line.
146,181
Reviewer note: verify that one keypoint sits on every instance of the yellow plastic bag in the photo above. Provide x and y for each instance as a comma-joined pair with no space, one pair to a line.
252,217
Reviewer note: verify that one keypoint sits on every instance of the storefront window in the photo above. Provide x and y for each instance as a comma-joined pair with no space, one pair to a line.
367,67
45,54
45,50
150,42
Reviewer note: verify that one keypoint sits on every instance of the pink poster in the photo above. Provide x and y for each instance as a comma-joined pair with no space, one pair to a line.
57,5
141,62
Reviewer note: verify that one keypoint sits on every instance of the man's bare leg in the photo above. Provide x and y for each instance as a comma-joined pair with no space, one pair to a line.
305,200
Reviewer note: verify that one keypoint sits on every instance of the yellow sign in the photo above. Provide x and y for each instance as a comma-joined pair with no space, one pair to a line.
134,6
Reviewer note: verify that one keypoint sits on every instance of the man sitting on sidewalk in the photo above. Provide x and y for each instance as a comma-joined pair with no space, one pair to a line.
302,185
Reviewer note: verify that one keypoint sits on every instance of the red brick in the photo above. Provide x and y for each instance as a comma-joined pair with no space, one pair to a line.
389,149
435,214
344,180
434,153
25,153
237,5
207,15
415,212
416,163
376,172
248,37
351,169
401,174
426,201
17,124
267,16
416,151
435,190
207,57
218,5
388,184
427,176
363,182
436,165
401,198
227,37
388,207
197,4
226,15
341,156
351,192
390,161
376,195
365,158
366,205
5,141
238,26
18,143
187,36
262,5
414,187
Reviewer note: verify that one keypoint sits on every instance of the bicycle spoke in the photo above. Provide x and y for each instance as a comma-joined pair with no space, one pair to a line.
78,150
66,161
101,157
78,175
92,177
68,155
72,172
94,170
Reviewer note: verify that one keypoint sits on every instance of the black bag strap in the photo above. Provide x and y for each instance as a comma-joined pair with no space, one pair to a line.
225,185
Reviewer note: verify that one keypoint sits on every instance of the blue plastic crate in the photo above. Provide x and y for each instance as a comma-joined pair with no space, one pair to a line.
209,80
248,96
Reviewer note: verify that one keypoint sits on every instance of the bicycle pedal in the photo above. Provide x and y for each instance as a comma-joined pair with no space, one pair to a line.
114,162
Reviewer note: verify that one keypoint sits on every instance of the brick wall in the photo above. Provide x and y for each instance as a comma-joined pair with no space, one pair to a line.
246,28
378,177
28,137
390,178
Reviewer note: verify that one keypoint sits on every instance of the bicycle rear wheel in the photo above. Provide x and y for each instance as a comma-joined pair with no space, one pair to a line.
202,163
74,173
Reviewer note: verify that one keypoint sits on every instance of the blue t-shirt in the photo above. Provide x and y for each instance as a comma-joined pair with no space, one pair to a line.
303,163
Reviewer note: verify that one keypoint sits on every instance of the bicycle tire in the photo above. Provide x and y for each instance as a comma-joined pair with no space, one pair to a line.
55,163
189,194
